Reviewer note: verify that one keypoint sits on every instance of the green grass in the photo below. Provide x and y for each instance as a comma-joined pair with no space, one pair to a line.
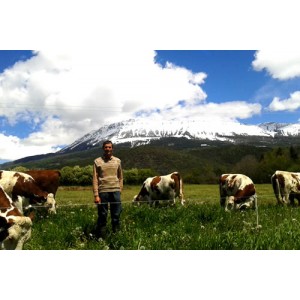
200,224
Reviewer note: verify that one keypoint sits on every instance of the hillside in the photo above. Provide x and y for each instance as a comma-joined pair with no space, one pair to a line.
169,155
160,144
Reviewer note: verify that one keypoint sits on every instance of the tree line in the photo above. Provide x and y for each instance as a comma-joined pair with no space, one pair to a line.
259,167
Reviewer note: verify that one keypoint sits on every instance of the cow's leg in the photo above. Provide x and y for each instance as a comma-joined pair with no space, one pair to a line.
250,202
149,200
285,198
172,202
182,201
247,203
154,203
278,198
181,197
172,198
292,199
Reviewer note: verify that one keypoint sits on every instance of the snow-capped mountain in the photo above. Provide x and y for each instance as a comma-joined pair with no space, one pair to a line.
139,132
281,129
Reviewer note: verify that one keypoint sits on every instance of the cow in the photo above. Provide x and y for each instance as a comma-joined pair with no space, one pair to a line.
286,186
15,229
165,187
47,180
237,192
20,185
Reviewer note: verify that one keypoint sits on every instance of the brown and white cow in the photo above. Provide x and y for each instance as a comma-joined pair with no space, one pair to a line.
286,186
47,180
19,185
15,229
165,187
237,191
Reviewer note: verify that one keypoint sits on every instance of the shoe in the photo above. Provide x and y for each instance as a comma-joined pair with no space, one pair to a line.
101,232
116,228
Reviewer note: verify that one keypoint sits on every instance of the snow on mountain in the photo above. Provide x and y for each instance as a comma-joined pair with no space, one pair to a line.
282,129
140,131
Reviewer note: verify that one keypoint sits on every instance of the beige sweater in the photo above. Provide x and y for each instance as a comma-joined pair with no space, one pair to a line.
107,175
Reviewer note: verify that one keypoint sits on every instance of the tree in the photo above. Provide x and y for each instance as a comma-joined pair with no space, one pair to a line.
293,153
248,165
19,169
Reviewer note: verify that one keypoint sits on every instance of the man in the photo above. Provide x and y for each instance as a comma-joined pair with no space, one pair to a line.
107,187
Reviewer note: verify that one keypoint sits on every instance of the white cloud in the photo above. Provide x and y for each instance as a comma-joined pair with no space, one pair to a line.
282,65
292,103
70,94
12,147
229,110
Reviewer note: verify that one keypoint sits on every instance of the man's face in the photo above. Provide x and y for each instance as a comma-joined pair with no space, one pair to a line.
108,149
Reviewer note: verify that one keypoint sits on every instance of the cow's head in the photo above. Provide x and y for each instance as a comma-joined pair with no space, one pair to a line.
45,201
229,203
17,233
142,195
136,200
51,203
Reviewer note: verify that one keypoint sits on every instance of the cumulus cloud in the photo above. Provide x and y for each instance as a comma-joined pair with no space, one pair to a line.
280,65
224,112
12,147
292,103
67,95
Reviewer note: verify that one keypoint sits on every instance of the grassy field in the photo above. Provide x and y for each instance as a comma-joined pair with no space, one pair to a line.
200,224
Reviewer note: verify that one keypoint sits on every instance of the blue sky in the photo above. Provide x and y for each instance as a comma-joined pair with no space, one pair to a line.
56,97
49,98
231,77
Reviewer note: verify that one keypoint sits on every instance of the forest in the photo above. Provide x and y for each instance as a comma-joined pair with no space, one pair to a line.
202,165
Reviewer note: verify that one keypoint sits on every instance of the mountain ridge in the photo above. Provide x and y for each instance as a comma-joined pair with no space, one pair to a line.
139,132
177,135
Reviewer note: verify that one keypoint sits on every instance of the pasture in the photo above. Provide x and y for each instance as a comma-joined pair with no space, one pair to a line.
199,225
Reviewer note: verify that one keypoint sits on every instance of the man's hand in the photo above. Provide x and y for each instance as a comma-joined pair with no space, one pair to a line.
97,200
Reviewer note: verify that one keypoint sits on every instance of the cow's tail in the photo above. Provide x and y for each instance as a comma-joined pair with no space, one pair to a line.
180,188
276,188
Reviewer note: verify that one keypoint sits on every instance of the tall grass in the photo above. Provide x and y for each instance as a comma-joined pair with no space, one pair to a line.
200,224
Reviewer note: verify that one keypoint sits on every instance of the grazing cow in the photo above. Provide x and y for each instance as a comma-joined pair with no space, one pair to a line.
166,187
47,180
15,229
18,185
237,191
286,186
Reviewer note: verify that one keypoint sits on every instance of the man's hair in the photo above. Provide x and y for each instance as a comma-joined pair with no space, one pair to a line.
107,142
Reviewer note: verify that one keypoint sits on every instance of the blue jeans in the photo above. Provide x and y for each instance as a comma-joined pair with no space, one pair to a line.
114,199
